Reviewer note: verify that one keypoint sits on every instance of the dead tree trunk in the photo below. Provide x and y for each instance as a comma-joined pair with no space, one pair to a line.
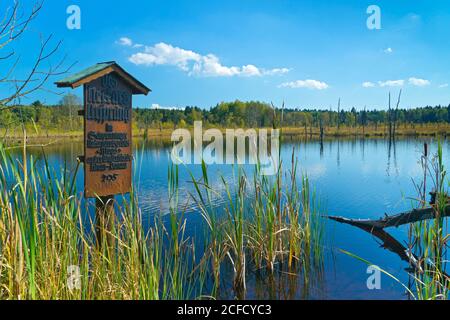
393,245
321,132
396,115
397,220
339,115
390,118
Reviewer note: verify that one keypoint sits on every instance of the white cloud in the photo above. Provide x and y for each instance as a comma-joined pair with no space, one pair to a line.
196,64
124,41
276,71
250,70
309,84
157,106
398,83
419,82
391,83
388,50
368,84
444,85
210,66
165,54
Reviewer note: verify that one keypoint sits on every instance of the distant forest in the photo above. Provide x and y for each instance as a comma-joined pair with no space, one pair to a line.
64,116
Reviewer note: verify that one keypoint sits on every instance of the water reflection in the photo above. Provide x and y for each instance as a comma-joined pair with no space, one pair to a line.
359,178
392,157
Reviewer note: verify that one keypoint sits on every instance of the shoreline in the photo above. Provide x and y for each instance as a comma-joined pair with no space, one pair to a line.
309,134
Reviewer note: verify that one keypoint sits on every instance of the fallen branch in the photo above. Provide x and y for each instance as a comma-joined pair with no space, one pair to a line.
393,245
397,220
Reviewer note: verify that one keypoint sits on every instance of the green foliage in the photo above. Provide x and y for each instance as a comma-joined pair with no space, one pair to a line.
62,117
254,114
236,114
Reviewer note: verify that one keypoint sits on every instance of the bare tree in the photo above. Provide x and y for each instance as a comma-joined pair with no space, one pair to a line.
70,103
390,117
339,114
13,25
396,113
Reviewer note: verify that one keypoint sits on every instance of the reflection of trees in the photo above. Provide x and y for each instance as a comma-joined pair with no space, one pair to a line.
305,281
363,148
338,154
392,152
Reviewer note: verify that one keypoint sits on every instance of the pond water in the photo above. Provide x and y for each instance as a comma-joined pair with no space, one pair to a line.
355,178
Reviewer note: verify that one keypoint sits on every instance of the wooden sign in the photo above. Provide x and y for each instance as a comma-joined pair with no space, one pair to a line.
108,137
108,156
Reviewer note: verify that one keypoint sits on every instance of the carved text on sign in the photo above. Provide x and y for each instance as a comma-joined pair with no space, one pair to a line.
107,137
107,90
108,154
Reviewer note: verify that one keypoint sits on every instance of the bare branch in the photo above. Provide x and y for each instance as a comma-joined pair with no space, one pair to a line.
397,220
9,55
14,26
36,78
11,70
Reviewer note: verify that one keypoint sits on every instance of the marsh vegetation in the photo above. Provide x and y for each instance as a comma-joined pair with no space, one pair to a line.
46,230
214,236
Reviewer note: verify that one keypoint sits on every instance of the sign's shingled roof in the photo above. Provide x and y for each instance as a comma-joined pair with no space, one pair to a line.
100,69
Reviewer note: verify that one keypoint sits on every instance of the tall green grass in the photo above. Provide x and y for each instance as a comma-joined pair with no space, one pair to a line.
430,238
49,250
264,224
46,232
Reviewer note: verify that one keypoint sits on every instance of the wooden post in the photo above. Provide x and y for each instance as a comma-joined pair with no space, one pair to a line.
108,155
104,215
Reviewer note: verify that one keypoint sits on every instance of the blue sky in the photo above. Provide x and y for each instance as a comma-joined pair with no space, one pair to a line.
306,53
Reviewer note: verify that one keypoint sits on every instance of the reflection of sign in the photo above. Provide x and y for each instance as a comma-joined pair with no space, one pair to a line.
108,136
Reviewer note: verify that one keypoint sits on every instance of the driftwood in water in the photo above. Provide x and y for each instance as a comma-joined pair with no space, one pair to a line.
412,216
393,245
376,228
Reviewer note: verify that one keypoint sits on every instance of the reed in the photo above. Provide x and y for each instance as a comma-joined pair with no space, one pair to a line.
235,232
287,226
226,229
216,248
48,248
430,238
272,222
